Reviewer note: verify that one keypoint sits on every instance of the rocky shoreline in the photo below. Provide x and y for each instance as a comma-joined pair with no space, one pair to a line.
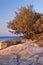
22,52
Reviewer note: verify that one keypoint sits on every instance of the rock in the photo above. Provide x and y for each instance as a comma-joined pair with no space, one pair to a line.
40,61
8,60
3,45
40,43
22,54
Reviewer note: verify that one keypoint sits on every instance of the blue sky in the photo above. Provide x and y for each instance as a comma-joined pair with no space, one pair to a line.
8,8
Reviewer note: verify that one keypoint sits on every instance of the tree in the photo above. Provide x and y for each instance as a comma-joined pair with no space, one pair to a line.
23,21
26,22
38,25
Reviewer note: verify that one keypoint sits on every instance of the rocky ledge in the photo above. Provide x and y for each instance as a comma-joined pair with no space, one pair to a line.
22,54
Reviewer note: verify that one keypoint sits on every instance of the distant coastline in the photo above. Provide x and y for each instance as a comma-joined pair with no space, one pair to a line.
4,38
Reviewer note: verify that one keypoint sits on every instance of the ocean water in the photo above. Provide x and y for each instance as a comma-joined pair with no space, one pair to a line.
4,38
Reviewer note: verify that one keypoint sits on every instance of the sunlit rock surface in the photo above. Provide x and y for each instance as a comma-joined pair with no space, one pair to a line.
22,54
3,45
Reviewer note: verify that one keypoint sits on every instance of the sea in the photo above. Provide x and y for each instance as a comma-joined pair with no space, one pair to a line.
4,38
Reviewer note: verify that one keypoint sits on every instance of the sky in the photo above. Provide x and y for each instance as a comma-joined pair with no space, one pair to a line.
8,8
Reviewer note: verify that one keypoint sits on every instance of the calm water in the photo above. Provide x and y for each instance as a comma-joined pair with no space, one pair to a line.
4,38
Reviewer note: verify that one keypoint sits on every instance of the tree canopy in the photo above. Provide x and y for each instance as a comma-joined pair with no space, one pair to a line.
26,22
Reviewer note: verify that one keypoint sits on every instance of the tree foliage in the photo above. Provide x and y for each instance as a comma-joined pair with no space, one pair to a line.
26,22
38,25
